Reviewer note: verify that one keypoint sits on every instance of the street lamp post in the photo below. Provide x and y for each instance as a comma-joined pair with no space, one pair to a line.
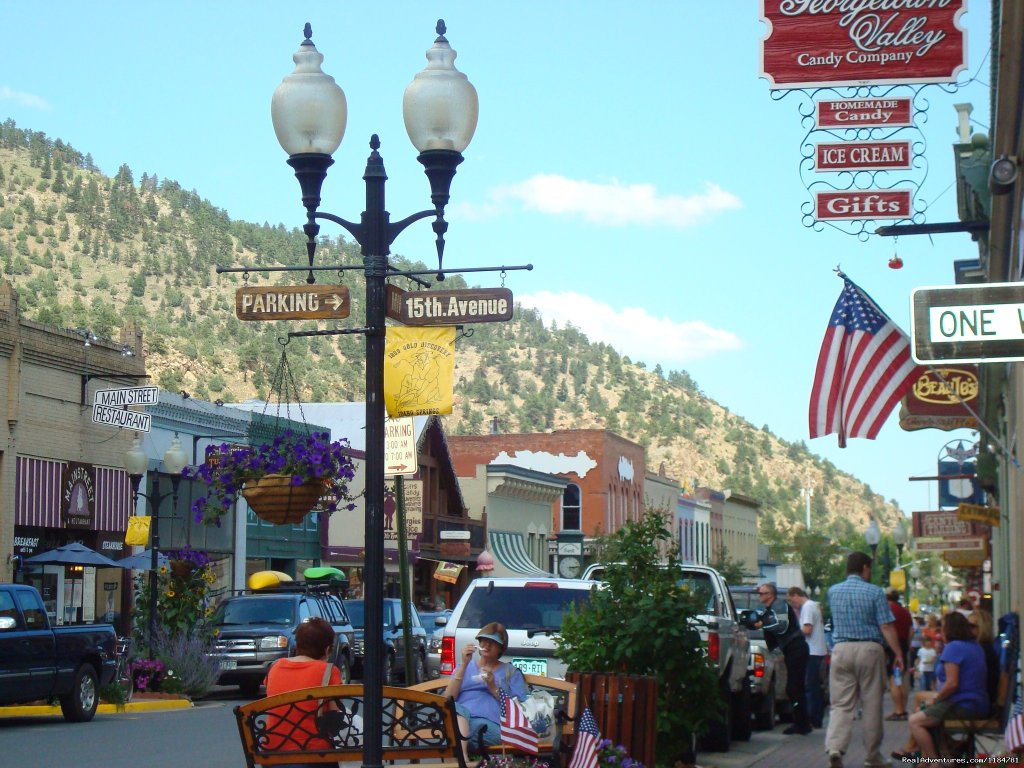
872,536
137,463
899,535
309,113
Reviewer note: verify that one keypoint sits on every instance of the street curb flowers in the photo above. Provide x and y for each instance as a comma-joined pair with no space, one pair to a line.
305,458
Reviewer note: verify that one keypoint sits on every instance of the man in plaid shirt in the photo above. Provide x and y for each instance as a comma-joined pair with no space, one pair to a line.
861,622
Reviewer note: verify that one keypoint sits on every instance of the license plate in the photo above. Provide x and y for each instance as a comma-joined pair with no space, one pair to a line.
532,666
228,664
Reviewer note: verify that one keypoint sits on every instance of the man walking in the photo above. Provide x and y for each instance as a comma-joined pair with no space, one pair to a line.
784,633
861,621
904,624
813,628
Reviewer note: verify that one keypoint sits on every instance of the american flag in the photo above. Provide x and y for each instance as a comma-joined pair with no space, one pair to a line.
516,730
588,738
864,368
1014,736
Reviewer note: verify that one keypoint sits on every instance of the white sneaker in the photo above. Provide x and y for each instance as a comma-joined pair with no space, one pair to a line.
835,758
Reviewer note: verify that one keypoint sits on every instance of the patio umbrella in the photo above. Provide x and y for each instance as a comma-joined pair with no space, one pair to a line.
144,561
72,554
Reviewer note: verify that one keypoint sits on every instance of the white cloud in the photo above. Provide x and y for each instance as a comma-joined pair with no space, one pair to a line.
25,99
611,204
633,331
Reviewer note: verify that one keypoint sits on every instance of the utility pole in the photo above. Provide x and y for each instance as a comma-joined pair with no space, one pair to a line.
807,492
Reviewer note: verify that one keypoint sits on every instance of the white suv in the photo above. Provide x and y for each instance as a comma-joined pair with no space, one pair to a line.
531,609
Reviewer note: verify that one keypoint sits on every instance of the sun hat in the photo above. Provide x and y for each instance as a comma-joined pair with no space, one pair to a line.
494,632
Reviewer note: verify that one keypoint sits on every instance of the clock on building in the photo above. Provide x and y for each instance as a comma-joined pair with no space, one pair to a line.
568,566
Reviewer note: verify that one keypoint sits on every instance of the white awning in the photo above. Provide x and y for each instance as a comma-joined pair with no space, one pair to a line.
510,550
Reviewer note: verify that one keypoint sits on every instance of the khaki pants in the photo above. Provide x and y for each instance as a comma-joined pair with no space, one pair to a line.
857,673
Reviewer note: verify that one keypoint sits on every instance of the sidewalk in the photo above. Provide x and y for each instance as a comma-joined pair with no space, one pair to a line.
772,749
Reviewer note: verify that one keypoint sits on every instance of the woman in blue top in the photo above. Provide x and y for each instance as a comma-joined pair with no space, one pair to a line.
476,684
962,691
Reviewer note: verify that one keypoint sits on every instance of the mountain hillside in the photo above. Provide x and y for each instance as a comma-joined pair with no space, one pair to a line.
94,252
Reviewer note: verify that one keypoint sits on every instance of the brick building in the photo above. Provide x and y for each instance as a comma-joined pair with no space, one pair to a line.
606,472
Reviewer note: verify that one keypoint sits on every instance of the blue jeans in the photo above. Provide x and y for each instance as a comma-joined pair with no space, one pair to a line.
815,700
491,729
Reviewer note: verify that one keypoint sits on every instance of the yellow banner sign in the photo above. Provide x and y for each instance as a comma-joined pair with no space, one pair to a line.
419,371
976,513
448,572
898,580
137,534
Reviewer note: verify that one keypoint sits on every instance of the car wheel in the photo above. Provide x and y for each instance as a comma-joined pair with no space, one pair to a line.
764,719
742,725
388,673
345,667
80,705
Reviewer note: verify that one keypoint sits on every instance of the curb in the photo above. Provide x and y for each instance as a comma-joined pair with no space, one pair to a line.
43,710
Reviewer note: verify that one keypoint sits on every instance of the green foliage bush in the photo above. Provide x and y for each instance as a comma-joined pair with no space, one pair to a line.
644,623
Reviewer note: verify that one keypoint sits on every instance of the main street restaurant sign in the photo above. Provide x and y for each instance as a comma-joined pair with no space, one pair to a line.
823,43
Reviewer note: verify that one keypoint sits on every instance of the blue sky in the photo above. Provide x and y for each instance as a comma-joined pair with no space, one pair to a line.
629,151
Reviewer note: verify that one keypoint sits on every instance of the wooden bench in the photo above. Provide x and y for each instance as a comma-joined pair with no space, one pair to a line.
417,725
566,696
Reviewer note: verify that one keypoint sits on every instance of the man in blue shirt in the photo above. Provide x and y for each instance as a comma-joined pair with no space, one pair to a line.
861,622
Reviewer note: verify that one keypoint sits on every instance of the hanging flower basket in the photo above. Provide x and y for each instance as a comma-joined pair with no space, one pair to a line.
278,500
180,568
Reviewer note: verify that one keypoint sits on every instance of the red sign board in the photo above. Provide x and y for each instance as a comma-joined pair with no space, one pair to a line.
863,204
940,399
862,156
816,43
863,113
942,525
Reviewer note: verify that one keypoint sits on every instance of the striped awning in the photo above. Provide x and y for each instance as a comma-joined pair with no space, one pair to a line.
37,495
510,550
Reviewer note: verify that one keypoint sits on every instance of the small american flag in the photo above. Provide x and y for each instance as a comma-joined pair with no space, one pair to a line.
1014,736
863,370
516,730
587,740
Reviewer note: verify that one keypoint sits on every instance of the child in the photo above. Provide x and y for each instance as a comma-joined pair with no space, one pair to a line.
926,664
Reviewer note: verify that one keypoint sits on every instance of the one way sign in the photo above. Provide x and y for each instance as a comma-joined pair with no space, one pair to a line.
400,447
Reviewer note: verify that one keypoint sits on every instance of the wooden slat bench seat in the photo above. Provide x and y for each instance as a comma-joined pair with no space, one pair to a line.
417,725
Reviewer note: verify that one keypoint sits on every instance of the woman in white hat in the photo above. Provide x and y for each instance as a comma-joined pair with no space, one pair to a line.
476,684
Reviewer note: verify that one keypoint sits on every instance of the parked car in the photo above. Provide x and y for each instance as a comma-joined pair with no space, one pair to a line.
728,651
767,667
531,609
435,622
37,661
257,628
394,641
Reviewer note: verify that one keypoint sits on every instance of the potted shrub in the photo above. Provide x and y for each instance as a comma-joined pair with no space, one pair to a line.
282,480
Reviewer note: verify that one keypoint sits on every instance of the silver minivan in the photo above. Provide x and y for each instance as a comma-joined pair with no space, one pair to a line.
531,609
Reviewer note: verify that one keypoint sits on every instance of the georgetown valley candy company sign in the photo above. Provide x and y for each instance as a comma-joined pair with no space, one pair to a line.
822,43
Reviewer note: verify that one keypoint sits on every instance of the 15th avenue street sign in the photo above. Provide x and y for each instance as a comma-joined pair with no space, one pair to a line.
292,302
455,307
968,323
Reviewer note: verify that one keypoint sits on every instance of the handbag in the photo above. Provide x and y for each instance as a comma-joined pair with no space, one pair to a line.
335,723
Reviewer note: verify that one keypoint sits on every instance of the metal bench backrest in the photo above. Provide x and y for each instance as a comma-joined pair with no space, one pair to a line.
283,729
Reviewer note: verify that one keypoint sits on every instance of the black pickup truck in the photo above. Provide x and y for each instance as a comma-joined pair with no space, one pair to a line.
38,661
